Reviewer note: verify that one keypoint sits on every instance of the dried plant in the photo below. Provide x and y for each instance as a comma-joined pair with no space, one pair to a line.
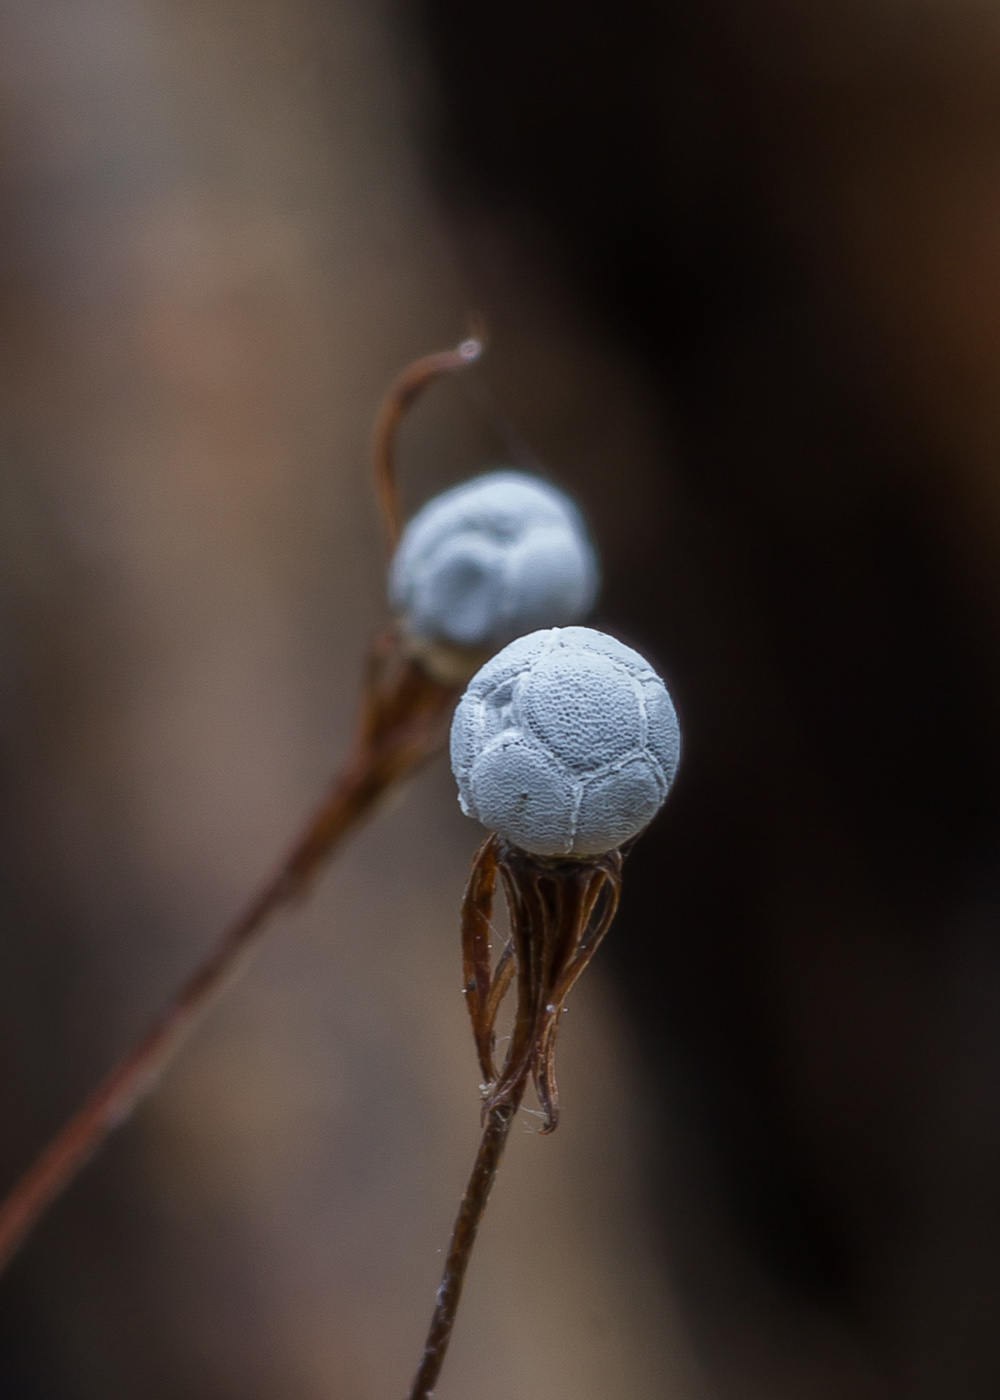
401,723
568,743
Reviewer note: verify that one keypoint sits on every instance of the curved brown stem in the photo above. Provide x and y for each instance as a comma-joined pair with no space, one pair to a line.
401,397
607,884
502,977
400,726
477,906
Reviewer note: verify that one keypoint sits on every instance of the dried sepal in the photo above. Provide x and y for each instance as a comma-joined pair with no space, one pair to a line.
477,908
559,912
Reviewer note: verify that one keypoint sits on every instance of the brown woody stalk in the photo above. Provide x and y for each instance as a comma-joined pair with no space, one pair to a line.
404,393
401,724
559,912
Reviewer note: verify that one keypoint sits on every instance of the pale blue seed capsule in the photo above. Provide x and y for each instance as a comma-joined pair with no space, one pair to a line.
491,559
565,743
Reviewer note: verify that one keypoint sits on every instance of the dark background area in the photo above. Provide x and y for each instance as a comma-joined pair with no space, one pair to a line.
782,214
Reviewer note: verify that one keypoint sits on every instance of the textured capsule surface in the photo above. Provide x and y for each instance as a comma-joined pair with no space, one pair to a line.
566,743
491,559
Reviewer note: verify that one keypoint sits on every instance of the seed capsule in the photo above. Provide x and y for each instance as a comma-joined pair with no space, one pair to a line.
489,560
565,743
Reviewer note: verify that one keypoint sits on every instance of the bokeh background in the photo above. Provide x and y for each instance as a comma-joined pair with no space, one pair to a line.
741,265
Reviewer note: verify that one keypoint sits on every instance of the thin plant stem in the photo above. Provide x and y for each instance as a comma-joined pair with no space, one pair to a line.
399,400
496,1130
401,725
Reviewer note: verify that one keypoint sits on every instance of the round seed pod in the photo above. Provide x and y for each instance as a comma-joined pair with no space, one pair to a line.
565,743
487,561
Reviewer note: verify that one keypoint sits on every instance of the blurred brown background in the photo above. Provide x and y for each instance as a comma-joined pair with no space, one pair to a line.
740,262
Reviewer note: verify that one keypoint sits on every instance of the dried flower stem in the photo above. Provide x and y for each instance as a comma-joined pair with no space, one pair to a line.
494,1139
559,912
400,398
401,724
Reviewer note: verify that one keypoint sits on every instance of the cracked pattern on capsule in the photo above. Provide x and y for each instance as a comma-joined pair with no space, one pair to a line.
491,559
566,743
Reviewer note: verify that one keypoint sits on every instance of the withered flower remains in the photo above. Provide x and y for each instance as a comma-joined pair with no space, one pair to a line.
566,744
